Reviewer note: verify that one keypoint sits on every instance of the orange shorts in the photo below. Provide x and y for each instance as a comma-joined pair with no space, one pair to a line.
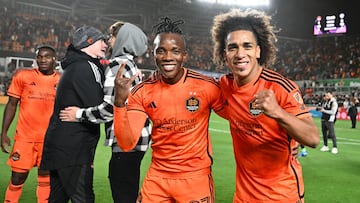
25,155
238,200
197,189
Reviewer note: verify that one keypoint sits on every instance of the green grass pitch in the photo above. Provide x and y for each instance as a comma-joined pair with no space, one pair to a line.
328,178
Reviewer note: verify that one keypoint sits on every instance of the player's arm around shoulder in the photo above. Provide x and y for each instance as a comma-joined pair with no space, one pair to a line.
218,104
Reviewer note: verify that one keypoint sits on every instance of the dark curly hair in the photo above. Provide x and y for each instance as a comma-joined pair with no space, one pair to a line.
255,21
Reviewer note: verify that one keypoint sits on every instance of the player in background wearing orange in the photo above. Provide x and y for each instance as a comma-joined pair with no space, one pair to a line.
35,90
178,101
265,110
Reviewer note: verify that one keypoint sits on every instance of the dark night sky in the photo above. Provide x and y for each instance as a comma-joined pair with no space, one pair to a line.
295,18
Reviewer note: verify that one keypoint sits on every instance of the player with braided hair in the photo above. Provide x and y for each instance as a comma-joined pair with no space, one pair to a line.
167,26
179,102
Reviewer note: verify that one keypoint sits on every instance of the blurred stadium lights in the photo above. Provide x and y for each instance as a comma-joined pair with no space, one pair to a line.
239,2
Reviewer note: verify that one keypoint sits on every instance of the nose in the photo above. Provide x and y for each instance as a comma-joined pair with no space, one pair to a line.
110,40
240,52
41,58
104,43
168,56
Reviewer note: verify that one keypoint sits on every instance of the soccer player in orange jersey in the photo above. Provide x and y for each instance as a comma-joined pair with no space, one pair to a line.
178,101
265,110
35,90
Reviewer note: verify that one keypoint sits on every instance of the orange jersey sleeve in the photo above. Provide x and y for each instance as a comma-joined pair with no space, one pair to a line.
265,169
180,116
37,94
127,127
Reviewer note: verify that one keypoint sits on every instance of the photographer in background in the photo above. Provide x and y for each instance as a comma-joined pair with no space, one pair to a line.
329,110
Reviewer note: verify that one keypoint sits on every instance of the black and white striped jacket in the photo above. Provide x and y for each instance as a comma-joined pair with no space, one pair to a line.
103,113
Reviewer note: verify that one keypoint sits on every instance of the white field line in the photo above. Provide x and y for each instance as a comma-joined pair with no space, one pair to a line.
340,140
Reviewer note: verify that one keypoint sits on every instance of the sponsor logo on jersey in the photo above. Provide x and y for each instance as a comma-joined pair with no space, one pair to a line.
192,104
252,110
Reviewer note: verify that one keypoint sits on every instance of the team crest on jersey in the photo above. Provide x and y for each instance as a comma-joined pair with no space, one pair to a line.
192,104
15,156
252,110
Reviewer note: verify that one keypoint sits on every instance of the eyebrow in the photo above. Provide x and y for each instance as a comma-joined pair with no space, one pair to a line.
242,44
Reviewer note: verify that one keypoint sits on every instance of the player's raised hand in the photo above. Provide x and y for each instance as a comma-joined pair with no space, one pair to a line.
122,86
265,100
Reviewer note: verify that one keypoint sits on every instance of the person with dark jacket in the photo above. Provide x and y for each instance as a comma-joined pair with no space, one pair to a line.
126,42
69,148
352,112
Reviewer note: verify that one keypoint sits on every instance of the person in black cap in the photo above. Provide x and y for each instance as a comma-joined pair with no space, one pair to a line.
127,42
69,148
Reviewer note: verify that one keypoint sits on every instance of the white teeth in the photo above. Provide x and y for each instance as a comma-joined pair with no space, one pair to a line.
241,64
167,67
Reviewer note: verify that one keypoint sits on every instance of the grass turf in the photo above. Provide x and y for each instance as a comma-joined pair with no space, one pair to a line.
328,178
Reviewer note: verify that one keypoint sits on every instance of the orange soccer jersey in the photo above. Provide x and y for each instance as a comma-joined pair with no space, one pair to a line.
180,116
266,171
36,92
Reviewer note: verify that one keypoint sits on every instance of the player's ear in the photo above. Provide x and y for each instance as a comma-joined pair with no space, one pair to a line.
224,57
258,51
185,54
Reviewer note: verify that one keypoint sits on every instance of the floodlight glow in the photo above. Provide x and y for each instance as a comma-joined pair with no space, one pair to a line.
240,2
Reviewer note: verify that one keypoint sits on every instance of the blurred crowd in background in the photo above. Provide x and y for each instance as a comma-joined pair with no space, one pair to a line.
299,59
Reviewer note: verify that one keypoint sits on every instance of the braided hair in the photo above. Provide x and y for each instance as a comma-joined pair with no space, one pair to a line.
168,26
